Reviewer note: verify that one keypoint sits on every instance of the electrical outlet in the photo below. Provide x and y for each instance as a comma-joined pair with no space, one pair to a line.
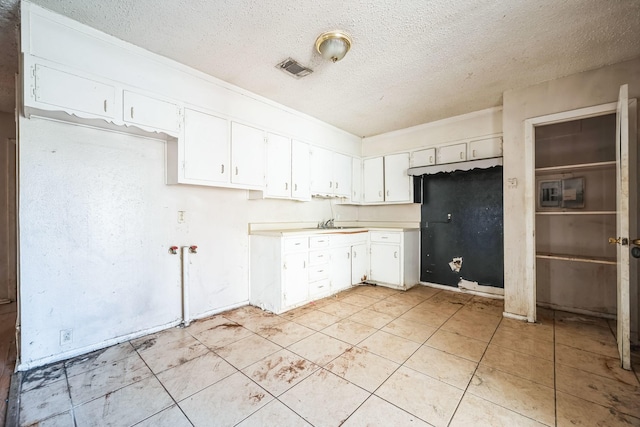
66,336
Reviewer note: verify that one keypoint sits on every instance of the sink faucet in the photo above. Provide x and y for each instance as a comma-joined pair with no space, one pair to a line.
326,224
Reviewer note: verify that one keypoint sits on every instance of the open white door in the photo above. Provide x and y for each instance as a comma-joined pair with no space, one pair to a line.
622,226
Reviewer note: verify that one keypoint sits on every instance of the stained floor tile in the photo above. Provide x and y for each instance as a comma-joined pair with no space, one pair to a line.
362,368
474,411
376,411
392,347
280,371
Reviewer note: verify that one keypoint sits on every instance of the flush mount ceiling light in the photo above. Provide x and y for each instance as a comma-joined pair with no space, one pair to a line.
333,45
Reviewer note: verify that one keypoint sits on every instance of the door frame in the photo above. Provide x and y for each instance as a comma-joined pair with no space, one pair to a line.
530,188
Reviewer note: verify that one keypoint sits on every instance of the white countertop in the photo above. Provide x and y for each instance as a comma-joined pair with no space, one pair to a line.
301,230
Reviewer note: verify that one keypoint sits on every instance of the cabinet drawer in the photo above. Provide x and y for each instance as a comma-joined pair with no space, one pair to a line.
318,272
385,236
319,241
319,288
318,257
293,244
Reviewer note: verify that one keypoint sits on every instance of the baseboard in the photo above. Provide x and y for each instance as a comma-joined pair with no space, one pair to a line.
461,290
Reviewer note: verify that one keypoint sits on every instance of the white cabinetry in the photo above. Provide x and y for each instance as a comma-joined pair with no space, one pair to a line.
452,153
394,258
300,174
330,173
205,148
340,268
150,113
295,287
356,180
72,93
385,179
278,166
423,158
247,155
485,148
359,263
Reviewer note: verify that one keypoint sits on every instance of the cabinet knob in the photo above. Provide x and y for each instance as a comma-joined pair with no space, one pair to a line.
461,155
222,168
132,112
330,184
473,153
380,193
337,184
236,170
295,187
430,159
395,254
348,255
387,193
286,185
105,105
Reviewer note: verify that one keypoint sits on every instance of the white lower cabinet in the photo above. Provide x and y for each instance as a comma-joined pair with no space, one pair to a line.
394,257
340,268
359,263
295,281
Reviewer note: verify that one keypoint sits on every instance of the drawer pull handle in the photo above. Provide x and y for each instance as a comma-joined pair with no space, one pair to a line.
473,153
236,170
286,185
337,184
430,159
222,168
395,254
461,155
295,187
320,256
380,193
330,184
105,105
387,193
297,244
355,254
132,112
384,237
348,255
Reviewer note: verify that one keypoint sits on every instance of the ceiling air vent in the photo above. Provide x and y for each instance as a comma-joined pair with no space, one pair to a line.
293,68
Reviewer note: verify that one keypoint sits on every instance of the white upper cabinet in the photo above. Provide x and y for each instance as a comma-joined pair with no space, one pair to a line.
151,113
485,148
452,153
278,166
206,148
423,158
300,173
72,93
247,155
397,182
356,180
373,180
341,175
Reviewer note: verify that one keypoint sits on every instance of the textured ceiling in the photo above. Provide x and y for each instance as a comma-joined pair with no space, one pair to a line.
411,62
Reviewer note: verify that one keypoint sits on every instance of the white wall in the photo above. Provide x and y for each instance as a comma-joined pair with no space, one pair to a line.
7,207
581,90
96,224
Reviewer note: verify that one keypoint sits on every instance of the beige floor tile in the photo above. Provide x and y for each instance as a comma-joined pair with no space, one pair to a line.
521,365
349,331
170,417
440,306
316,320
256,322
41,403
475,316
492,307
222,334
319,348
372,318
225,403
340,309
299,311
362,368
545,315
373,291
376,411
286,333
538,330
247,351
426,317
161,357
422,396
522,343
442,366
406,298
209,323
126,406
594,388
359,300
603,346
452,296
573,411
587,329
324,399
390,346
45,375
242,314
195,375
567,318
106,379
517,394
459,345
476,412
423,290
391,308
98,358
471,329
280,371
410,330
274,414
594,363
160,338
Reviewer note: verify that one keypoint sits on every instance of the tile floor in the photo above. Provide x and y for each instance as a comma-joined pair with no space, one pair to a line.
369,356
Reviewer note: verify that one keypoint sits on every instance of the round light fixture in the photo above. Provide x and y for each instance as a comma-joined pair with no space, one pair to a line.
333,45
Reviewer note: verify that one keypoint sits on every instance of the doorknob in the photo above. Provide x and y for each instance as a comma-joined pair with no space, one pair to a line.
621,241
635,242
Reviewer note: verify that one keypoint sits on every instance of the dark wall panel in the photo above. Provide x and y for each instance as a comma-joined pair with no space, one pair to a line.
462,216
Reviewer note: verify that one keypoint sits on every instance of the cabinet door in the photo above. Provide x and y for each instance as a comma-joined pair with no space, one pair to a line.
373,180
340,268
359,263
423,158
300,174
321,171
485,148
206,147
278,166
452,153
397,183
341,175
69,91
151,112
296,286
356,180
247,155
385,263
